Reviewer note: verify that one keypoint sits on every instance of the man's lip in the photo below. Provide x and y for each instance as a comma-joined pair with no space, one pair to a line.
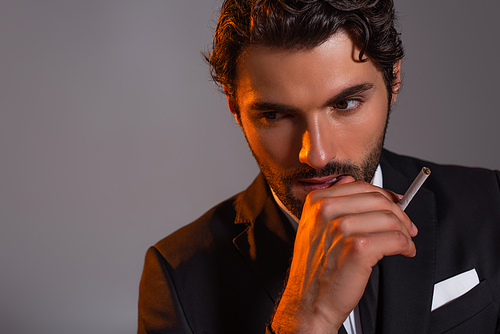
316,183
318,180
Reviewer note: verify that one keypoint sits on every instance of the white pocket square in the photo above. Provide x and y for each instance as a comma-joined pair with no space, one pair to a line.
454,287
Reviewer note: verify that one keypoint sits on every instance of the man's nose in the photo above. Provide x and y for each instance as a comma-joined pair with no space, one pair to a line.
317,144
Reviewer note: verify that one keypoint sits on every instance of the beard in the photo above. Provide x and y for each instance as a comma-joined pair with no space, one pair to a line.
282,182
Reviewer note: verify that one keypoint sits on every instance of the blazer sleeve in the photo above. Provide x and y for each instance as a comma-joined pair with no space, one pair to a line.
159,308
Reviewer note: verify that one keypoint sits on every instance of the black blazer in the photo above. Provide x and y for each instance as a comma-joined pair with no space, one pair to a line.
224,272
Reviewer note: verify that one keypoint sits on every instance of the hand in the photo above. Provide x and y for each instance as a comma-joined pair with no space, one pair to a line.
343,232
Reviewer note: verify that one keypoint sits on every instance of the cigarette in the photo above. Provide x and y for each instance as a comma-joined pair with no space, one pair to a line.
415,186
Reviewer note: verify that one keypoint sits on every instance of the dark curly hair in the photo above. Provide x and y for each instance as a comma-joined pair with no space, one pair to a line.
304,24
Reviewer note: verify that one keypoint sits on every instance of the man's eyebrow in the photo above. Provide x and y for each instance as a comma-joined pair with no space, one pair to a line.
270,106
349,91
277,107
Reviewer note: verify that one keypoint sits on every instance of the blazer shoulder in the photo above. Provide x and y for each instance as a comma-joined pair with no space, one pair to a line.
207,234
446,175
458,189
212,234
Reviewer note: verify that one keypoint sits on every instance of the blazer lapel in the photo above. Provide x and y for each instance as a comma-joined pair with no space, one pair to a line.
267,242
406,284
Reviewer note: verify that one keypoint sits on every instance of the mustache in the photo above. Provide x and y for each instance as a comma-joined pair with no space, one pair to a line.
332,168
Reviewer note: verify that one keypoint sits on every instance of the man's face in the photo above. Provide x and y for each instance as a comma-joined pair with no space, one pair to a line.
311,116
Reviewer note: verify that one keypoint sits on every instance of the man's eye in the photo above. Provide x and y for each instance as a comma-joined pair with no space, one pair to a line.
346,104
271,115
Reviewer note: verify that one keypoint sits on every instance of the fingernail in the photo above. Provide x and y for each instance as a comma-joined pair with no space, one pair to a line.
414,228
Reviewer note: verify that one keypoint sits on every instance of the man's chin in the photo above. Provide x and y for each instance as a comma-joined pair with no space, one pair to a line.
293,201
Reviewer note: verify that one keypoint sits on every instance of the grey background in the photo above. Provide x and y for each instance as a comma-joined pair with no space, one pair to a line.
112,136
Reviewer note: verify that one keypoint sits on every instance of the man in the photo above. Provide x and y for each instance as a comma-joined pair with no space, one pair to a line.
317,244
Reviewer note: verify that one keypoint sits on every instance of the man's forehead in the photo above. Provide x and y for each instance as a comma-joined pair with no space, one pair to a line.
332,66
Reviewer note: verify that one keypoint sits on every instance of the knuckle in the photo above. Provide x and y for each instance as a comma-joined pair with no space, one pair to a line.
311,198
359,245
365,186
381,200
391,219
343,225
324,206
401,238
322,209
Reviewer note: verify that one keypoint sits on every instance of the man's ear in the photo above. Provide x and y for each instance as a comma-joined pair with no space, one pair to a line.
396,86
232,107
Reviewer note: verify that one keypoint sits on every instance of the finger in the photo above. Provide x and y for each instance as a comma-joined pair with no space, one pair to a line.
347,186
368,249
345,180
332,208
369,222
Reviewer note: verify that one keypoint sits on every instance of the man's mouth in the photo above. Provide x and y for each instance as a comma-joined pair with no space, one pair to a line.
319,183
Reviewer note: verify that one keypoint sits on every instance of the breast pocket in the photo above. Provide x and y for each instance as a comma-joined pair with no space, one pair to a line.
474,312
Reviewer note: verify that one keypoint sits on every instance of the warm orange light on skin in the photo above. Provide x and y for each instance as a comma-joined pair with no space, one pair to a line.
304,88
314,139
